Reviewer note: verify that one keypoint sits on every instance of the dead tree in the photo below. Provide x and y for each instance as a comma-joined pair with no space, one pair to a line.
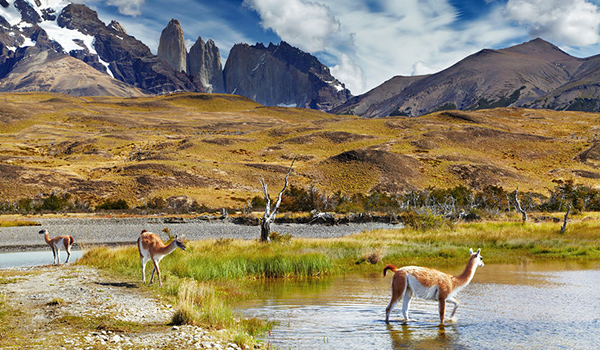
523,212
269,216
563,228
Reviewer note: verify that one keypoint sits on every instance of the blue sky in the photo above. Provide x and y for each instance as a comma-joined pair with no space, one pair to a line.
366,42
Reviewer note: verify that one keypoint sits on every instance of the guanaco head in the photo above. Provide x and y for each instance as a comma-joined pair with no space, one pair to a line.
43,232
477,256
179,242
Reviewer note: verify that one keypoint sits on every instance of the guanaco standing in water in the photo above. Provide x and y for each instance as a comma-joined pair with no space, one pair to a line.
429,284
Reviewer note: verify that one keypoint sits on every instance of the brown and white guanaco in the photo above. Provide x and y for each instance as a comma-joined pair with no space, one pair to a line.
57,243
151,247
430,284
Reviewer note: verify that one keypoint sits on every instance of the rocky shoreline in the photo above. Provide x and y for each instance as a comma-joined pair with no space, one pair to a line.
50,298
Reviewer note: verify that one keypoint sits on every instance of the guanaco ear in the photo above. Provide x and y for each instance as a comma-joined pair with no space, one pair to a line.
471,251
478,251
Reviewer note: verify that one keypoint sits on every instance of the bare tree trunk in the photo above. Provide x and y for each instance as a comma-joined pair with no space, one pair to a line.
265,230
523,212
269,216
564,225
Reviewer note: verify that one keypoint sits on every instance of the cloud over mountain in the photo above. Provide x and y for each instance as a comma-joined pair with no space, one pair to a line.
568,22
304,24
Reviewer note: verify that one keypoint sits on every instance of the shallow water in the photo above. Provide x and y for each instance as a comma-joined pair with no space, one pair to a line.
529,306
35,258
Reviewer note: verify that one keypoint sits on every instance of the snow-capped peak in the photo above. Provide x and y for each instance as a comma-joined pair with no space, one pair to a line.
69,39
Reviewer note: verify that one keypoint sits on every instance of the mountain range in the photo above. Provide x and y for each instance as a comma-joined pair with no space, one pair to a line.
535,74
44,43
58,46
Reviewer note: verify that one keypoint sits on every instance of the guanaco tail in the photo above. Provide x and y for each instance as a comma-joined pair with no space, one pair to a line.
430,284
151,247
57,243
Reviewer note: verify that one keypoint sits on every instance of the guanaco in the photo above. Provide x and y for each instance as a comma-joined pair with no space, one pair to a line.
429,284
57,243
151,247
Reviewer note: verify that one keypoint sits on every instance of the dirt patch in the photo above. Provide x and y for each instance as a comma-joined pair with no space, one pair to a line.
481,175
587,174
461,116
72,306
398,172
151,176
269,167
590,155
333,136
473,134
72,147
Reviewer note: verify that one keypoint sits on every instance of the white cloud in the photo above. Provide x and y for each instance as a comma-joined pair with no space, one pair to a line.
128,7
304,24
349,73
567,22
389,37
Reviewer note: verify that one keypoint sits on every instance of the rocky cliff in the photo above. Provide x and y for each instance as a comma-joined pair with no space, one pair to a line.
282,75
75,30
204,63
171,47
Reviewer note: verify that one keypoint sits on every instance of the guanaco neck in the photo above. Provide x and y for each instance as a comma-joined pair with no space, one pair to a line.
166,249
467,275
47,237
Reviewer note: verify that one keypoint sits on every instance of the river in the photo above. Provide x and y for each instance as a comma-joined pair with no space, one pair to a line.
527,306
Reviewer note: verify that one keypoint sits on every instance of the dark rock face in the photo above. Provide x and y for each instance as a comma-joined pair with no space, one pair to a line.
129,59
282,75
28,13
171,47
204,63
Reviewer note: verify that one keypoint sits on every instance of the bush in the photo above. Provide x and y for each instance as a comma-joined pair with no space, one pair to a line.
113,204
55,202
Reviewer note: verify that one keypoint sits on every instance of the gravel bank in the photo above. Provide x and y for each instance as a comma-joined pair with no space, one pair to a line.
115,231
48,295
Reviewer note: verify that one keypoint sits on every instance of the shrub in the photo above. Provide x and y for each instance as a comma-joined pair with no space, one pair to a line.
113,204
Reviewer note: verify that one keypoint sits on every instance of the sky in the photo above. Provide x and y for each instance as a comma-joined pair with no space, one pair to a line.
366,42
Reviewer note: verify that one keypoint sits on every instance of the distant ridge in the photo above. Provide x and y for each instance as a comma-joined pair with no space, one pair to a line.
535,74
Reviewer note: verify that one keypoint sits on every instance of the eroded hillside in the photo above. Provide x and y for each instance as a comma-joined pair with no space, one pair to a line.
214,148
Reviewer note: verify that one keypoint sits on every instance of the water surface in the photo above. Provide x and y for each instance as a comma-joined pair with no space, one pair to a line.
529,306
35,258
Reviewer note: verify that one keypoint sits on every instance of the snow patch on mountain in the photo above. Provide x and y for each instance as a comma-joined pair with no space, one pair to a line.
68,39
11,14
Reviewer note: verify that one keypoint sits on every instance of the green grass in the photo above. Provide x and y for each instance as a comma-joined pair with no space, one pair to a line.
205,281
18,223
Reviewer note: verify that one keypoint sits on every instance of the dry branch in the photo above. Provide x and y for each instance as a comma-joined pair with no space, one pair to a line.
564,225
269,216
523,212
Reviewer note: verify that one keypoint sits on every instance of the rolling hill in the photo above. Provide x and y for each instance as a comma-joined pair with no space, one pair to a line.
213,148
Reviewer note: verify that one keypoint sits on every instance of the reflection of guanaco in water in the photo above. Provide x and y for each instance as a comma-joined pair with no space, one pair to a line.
57,243
429,284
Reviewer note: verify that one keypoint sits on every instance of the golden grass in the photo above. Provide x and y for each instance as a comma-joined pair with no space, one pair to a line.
216,136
